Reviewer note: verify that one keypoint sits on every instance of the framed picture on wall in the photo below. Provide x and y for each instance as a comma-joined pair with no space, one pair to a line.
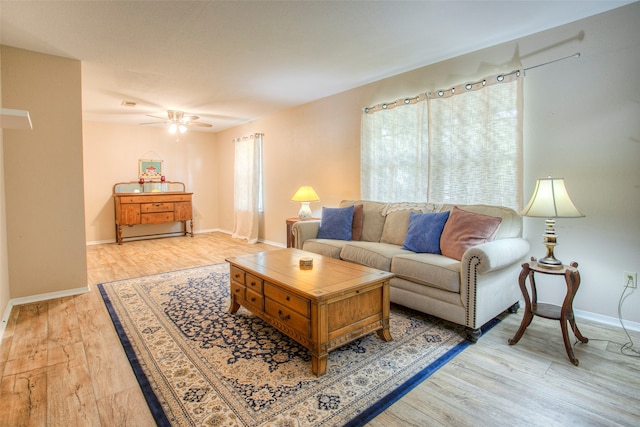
150,170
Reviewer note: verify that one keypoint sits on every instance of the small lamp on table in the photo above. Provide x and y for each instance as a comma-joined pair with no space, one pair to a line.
551,200
305,195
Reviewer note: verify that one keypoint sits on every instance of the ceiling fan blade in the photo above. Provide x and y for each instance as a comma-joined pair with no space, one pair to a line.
206,125
157,117
189,118
155,123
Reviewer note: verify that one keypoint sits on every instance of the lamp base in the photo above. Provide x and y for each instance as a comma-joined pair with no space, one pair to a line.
550,241
550,263
305,211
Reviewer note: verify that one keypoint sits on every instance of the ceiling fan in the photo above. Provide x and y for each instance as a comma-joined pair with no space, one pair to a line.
178,121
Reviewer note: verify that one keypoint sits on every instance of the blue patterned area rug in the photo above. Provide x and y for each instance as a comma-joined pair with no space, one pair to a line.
199,365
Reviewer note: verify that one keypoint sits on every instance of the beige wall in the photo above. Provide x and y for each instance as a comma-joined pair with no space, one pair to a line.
43,174
111,154
5,290
581,123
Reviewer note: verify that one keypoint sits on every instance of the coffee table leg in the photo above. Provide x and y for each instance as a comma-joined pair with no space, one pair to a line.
234,306
385,333
319,365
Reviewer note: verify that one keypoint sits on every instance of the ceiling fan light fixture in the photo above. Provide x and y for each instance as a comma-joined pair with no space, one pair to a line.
173,128
182,128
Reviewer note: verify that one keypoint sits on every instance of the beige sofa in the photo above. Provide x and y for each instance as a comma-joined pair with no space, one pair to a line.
470,291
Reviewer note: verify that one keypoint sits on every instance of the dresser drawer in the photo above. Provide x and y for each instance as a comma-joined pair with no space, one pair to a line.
237,289
156,218
254,283
156,207
237,275
287,316
287,299
254,299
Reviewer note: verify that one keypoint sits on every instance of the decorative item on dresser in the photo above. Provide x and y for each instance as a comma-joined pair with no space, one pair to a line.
152,203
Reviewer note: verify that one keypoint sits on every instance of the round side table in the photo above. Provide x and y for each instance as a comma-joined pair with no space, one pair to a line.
562,313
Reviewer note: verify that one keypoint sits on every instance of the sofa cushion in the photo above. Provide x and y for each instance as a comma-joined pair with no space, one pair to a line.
356,226
372,218
336,223
325,247
425,229
371,254
395,227
428,269
466,229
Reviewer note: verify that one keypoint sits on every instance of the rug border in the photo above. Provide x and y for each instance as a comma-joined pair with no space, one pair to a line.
159,416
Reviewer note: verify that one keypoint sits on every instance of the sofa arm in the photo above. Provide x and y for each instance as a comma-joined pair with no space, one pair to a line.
304,230
497,254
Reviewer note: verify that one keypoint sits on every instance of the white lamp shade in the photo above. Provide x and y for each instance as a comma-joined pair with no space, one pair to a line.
550,199
305,194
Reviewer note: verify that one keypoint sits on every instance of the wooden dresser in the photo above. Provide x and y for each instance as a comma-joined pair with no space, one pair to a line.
152,207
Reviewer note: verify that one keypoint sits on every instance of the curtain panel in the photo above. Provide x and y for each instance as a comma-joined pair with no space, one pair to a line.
462,145
247,177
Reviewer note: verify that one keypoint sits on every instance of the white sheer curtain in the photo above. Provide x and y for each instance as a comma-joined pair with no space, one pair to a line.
248,171
475,143
462,146
394,164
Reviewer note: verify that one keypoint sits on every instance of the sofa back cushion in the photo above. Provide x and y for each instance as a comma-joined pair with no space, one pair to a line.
396,223
372,218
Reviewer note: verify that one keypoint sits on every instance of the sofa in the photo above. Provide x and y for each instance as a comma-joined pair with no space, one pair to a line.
466,272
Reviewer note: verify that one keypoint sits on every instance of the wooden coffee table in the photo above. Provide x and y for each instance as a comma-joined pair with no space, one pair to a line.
321,307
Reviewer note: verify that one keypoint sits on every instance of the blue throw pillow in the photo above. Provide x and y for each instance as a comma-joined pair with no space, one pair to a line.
336,223
423,234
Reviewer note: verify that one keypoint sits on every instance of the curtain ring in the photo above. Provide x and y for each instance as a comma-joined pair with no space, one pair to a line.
500,78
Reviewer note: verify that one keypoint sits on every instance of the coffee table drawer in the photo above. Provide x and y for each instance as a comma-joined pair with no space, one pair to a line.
237,275
287,299
254,298
287,316
254,283
237,289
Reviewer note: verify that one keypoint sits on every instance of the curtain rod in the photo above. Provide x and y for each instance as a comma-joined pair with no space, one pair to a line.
418,98
575,55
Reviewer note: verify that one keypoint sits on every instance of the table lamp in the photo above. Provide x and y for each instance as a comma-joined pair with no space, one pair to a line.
305,195
550,200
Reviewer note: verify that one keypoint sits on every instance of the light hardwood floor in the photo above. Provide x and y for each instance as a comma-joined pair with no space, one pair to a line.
62,363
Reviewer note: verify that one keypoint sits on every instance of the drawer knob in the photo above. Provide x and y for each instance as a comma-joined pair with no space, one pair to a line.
287,298
287,317
253,299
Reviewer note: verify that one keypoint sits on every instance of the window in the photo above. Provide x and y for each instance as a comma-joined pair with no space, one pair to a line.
462,145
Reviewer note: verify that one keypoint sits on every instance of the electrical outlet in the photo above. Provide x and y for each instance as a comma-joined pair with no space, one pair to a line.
630,279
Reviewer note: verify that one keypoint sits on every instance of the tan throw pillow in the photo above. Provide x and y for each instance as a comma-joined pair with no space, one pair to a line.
466,229
358,218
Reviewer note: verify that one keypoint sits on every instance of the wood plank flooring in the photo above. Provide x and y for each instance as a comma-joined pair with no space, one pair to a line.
62,363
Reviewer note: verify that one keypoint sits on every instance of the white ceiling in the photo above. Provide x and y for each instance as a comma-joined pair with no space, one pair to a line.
231,62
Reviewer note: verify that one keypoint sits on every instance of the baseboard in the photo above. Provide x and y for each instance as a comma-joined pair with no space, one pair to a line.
607,320
36,298
134,238
602,319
